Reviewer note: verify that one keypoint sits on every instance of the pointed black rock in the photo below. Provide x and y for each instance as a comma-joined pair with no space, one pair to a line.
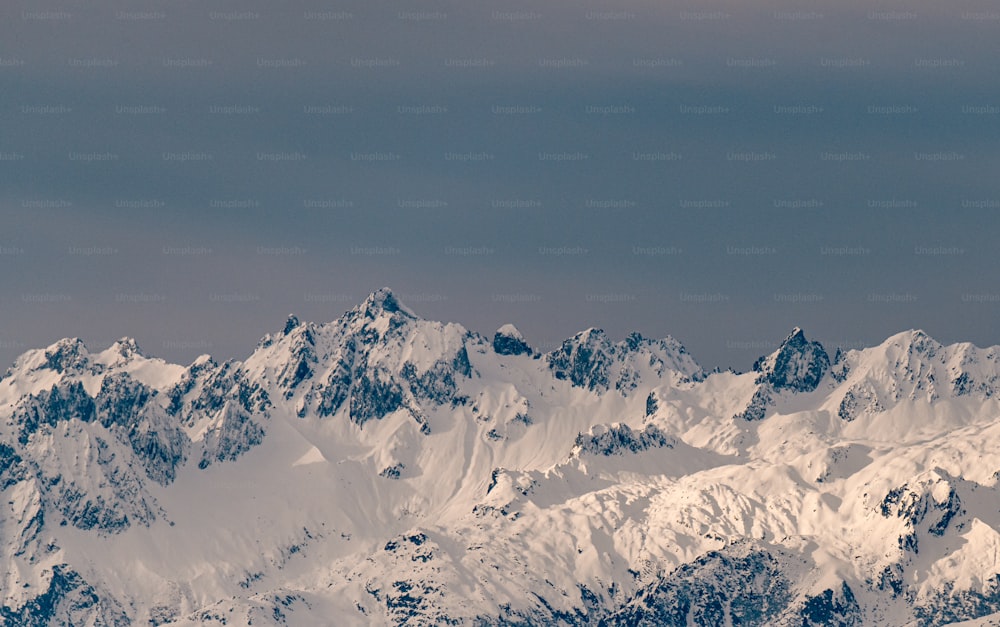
290,324
797,365
508,341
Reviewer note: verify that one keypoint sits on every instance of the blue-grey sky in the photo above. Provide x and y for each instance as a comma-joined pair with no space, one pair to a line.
188,173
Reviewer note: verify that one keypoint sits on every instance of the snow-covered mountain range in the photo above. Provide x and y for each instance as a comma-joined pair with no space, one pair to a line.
385,469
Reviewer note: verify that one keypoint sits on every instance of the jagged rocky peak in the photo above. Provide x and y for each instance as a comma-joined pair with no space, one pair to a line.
377,358
634,340
290,324
915,341
382,301
61,403
381,314
301,358
121,352
67,354
583,360
913,366
127,347
589,339
798,364
508,341
590,360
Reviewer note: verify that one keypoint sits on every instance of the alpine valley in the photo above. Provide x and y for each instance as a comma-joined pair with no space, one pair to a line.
383,469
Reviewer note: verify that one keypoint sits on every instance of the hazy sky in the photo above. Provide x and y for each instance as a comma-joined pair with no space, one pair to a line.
188,173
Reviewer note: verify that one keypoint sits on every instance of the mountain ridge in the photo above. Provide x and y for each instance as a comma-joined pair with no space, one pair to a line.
388,469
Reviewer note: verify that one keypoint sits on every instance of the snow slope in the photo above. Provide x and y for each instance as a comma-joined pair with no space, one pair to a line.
385,469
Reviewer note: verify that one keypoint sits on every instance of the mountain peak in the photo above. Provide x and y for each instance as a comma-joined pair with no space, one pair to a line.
384,442
634,340
915,340
509,330
591,360
796,336
66,354
383,300
127,347
797,365
67,343
591,335
290,324
508,341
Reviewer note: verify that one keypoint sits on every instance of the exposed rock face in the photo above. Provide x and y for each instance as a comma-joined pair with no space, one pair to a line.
124,407
583,360
61,403
621,439
509,341
67,600
928,506
743,584
387,469
591,361
797,366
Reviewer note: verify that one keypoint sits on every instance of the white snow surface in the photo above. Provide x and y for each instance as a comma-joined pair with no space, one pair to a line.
509,330
509,492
